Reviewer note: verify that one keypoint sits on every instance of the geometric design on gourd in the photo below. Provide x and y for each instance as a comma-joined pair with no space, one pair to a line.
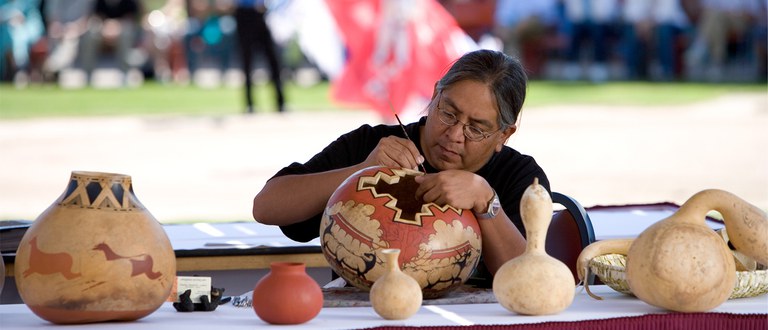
438,257
379,186
446,265
100,193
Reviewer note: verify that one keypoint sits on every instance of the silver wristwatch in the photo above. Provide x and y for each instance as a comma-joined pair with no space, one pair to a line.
494,205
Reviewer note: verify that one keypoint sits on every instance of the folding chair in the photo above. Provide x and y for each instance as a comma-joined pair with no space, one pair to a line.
569,232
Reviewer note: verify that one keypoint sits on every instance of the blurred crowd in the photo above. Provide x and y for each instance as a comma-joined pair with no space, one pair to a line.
123,42
600,40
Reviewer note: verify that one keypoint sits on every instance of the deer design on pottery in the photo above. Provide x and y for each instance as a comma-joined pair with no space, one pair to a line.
77,236
140,264
45,263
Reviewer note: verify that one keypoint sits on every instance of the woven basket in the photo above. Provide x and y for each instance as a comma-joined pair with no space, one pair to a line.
610,269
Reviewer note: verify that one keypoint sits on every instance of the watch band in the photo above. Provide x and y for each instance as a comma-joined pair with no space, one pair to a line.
493,208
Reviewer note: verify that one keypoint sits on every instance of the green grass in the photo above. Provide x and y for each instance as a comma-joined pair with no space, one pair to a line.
631,93
50,101
151,98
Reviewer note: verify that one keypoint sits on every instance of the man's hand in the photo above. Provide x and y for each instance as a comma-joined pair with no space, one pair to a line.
461,189
395,152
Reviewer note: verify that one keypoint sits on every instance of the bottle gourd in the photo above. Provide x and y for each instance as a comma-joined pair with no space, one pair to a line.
395,295
534,283
681,264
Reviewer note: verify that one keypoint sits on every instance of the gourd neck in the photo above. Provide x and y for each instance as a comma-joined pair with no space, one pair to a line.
536,240
695,209
391,259
536,211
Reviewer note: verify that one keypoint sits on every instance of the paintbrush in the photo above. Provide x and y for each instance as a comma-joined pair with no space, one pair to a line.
423,169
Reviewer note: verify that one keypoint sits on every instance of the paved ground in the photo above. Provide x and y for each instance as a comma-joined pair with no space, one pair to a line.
209,168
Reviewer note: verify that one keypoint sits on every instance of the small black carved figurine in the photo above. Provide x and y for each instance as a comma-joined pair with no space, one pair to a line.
185,303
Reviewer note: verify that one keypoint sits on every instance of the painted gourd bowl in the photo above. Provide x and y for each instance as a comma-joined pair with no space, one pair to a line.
95,255
376,208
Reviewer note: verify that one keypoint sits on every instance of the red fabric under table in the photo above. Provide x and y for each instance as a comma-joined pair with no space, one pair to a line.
682,321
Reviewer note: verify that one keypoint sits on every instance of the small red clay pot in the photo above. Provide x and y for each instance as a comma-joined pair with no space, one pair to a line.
287,295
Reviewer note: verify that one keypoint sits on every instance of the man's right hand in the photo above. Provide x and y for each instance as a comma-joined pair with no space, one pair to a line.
395,152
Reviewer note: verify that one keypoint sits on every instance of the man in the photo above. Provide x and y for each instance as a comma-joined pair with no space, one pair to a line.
461,143
114,23
253,34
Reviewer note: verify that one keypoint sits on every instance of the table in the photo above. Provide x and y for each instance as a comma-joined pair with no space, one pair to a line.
250,245
236,254
229,246
633,219
619,307
238,245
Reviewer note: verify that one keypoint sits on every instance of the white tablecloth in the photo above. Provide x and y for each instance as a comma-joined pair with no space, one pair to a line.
231,235
228,317
608,223
629,221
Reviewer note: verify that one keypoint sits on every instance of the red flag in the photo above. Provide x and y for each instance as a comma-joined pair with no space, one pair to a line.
396,51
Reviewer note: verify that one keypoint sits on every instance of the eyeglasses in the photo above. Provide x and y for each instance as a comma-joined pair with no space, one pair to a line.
472,133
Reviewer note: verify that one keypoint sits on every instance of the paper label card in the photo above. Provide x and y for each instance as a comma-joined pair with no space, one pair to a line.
200,286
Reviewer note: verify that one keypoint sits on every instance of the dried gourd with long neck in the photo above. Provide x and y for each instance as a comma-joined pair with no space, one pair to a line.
596,249
534,283
681,264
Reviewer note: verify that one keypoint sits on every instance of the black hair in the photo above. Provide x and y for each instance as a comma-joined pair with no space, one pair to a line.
503,74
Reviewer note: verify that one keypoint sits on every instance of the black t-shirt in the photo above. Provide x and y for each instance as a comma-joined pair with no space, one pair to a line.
508,172
117,9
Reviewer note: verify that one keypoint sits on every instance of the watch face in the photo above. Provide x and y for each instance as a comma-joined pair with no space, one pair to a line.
495,206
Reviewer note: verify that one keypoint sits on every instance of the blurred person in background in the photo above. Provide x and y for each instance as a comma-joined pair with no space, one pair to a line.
210,39
760,41
21,26
590,24
113,24
197,14
67,22
165,28
253,34
721,23
651,32
525,29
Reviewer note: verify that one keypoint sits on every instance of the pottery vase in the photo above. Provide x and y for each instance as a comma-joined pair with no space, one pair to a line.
376,208
395,295
96,254
534,283
287,295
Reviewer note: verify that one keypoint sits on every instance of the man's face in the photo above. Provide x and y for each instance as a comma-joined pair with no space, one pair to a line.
447,146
